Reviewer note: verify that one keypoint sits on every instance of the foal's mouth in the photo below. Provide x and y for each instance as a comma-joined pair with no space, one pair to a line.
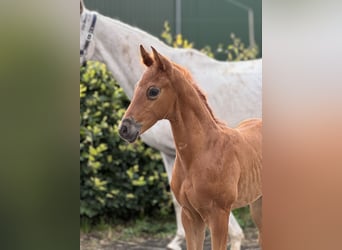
129,130
133,138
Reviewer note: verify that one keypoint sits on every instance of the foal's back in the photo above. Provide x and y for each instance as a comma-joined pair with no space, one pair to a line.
251,130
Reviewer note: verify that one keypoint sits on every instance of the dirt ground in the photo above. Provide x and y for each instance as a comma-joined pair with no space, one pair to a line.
108,241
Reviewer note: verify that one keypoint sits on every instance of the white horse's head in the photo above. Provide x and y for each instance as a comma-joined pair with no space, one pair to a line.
87,28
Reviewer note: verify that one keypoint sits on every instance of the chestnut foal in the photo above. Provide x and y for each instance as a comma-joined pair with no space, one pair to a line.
217,168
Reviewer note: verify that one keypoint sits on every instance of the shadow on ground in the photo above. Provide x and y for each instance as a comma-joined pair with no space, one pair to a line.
93,242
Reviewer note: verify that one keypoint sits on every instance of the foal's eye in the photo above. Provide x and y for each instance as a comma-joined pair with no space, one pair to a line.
153,92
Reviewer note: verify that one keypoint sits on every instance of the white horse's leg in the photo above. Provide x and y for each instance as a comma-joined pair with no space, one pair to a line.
235,232
176,242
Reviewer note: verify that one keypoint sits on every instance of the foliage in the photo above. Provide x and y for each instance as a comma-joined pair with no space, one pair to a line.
238,52
178,42
166,34
118,180
156,228
243,217
235,51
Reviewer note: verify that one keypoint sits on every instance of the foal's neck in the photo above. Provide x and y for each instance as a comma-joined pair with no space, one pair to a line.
193,124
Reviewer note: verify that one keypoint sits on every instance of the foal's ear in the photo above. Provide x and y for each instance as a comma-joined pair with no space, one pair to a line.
147,59
162,62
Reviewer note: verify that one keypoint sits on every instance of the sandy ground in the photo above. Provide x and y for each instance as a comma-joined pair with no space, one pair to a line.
108,241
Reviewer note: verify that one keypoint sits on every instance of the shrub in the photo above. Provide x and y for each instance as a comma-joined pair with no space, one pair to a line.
118,180
234,51
238,52
178,42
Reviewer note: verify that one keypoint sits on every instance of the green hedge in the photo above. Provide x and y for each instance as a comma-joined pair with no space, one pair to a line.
118,180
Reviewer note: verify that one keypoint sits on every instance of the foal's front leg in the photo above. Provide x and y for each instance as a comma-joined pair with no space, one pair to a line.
217,222
194,228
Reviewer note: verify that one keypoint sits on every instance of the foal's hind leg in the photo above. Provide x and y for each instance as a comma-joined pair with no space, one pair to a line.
256,213
194,228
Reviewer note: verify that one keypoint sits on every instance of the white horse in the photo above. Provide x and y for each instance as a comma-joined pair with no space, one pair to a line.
234,88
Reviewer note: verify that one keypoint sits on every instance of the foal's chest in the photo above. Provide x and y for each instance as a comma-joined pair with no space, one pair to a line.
202,185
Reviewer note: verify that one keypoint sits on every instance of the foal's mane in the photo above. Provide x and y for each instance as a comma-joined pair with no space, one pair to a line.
188,77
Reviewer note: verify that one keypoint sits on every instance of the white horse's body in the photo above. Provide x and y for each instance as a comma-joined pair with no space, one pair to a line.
233,88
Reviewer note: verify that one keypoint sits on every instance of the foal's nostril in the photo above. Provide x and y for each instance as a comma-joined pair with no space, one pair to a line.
123,130
129,129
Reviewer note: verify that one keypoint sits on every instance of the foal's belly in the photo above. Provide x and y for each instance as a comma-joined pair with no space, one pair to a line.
202,196
246,201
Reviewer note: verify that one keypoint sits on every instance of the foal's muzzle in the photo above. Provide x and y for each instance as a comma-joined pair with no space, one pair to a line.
129,129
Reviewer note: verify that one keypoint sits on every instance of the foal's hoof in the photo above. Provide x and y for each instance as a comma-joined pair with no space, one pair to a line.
176,243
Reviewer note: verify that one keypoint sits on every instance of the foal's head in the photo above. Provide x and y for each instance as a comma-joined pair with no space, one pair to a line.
153,96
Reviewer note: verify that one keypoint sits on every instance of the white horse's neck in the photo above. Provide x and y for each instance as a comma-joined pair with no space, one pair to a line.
117,45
